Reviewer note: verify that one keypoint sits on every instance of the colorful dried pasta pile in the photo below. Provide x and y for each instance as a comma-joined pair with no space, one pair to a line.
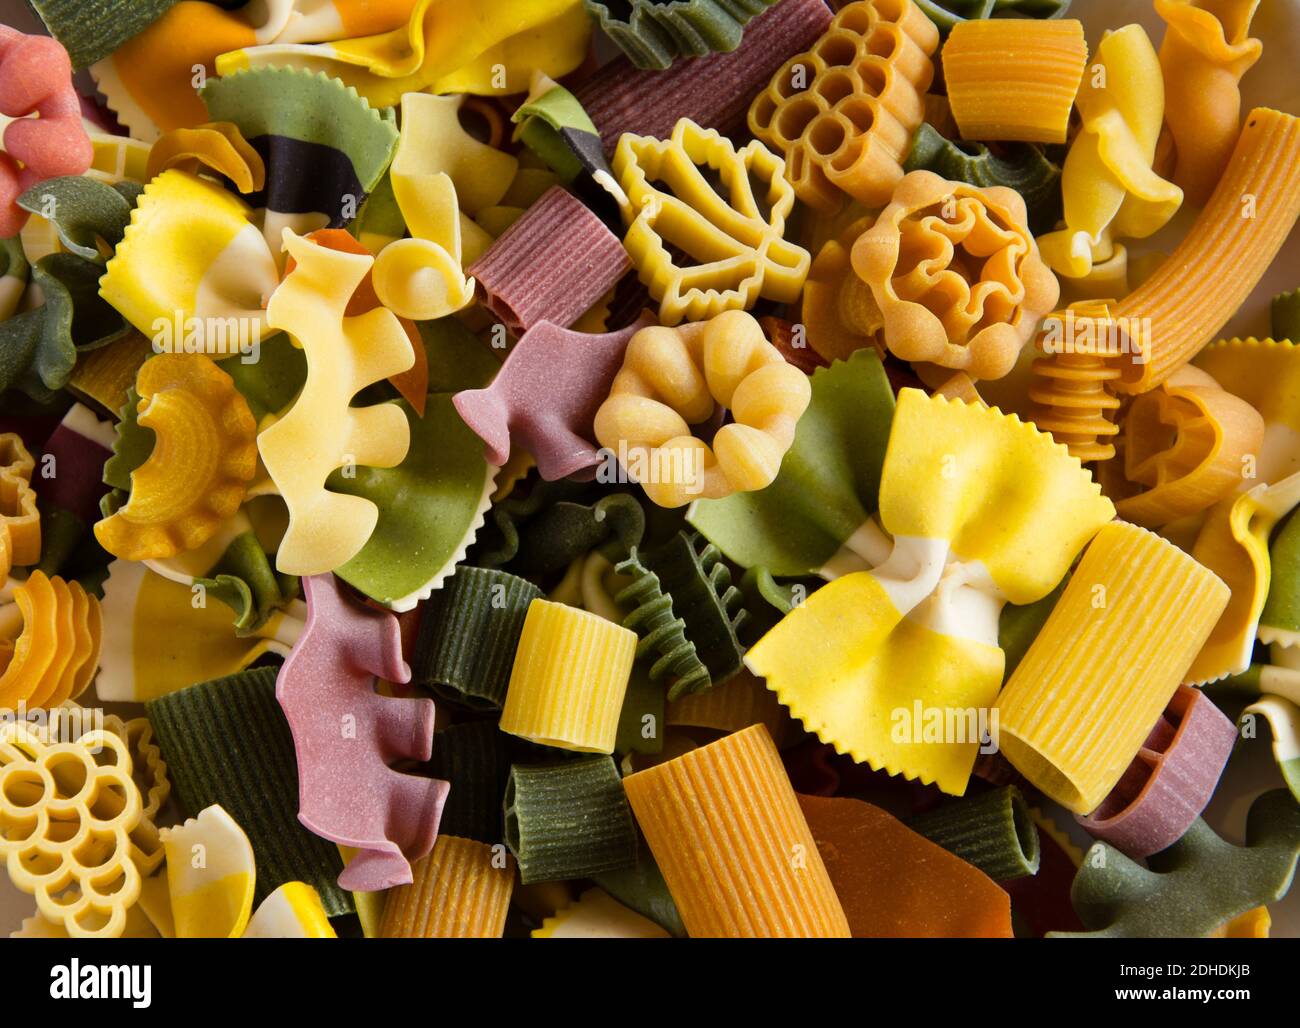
755,484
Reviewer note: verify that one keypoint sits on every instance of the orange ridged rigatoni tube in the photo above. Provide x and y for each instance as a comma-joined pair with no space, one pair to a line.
459,892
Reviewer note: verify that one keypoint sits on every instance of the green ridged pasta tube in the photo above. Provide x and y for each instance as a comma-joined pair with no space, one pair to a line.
993,831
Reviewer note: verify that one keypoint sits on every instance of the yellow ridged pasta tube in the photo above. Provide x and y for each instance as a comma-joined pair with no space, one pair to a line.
1115,648
569,678
1191,296
458,893
1014,78
726,830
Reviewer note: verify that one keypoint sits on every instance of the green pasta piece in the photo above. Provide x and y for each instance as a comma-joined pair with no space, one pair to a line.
1024,168
38,348
569,820
1285,311
1019,626
653,33
83,212
642,888
380,213
692,573
1283,719
660,632
13,262
565,531
271,382
507,517
90,30
245,581
457,358
1280,619
469,632
227,742
1194,886
132,445
947,14
473,757
993,831
641,719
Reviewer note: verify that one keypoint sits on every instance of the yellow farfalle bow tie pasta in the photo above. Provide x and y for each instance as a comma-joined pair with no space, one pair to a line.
983,510
675,378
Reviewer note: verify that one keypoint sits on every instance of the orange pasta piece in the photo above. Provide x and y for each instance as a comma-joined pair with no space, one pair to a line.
726,830
1113,651
898,884
461,891
1014,78
1191,296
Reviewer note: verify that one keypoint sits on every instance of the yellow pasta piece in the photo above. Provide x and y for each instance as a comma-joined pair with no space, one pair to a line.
20,521
322,431
1107,183
726,830
72,831
1188,442
204,456
210,876
1253,924
1191,295
146,759
843,113
118,157
569,678
956,274
1233,543
1113,651
1014,78
218,145
840,315
1265,373
672,379
733,235
293,911
597,915
105,374
56,655
191,252
1206,50
461,890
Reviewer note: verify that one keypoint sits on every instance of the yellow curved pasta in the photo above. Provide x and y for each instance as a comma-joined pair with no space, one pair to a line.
1206,50
1107,183
1014,78
57,653
212,897
726,830
1265,373
672,379
569,678
843,112
1214,434
146,759
956,274
733,235
1233,543
839,313
218,145
461,890
197,474
1113,651
1253,924
191,251
322,431
293,911
1191,295
597,915
20,521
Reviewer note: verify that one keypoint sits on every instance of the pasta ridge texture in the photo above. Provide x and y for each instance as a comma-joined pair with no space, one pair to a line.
20,521
57,653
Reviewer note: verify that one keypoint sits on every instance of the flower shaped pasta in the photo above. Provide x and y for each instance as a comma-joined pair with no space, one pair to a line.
675,378
956,274
983,510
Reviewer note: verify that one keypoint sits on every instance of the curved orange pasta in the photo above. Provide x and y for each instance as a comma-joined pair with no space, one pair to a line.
1014,78
461,890
1193,293
898,884
725,827
1206,50
57,653
20,521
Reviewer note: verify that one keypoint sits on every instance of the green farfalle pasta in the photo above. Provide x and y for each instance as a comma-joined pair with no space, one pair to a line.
1194,886
89,216
469,631
568,820
993,831
474,758
1285,316
553,125
653,34
92,29
1021,166
227,742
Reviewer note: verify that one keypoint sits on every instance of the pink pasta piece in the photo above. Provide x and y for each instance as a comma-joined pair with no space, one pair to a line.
546,395
714,91
1170,780
346,735
36,78
552,264
76,452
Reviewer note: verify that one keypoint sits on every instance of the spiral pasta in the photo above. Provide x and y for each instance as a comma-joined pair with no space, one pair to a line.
675,378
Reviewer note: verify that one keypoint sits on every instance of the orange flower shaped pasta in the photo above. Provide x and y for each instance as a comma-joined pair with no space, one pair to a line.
57,653
675,378
200,467
983,509
844,112
956,274
20,521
